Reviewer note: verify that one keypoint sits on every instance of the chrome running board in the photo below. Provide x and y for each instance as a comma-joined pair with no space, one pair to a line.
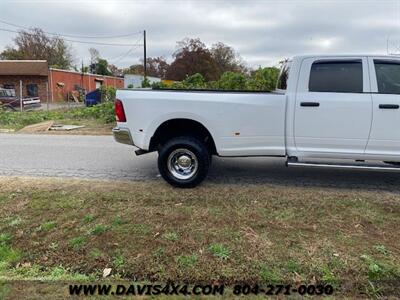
342,166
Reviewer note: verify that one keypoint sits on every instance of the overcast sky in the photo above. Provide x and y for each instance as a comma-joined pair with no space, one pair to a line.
263,32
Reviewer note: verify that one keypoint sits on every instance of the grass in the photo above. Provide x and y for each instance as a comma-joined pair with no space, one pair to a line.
47,226
220,251
118,260
98,229
97,118
187,261
171,236
88,218
77,242
219,233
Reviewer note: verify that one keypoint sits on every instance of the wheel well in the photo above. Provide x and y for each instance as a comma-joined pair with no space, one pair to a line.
180,127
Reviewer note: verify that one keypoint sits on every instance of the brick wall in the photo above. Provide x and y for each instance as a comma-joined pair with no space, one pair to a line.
40,81
62,82
68,82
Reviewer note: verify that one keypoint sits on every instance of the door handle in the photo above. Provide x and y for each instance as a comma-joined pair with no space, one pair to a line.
389,106
309,104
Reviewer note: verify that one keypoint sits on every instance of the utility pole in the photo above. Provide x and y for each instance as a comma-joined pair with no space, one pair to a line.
144,55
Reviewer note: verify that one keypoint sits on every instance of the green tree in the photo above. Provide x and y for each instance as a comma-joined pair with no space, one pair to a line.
264,79
195,81
98,65
102,67
232,81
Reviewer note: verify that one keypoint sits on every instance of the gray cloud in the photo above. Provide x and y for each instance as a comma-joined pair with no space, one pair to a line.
263,32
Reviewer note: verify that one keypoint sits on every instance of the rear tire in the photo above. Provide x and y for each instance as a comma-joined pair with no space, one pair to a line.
184,161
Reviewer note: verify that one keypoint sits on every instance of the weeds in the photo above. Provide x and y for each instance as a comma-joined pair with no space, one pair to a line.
171,236
5,238
104,113
222,234
186,261
77,242
88,218
118,260
8,255
95,253
98,229
117,221
15,221
220,251
268,275
47,226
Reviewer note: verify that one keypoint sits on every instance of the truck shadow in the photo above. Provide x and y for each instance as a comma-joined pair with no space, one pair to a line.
273,171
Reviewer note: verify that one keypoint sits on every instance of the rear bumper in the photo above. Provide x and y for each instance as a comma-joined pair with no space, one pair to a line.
123,136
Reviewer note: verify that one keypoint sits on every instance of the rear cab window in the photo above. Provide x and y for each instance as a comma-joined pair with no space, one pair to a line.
284,76
387,76
336,76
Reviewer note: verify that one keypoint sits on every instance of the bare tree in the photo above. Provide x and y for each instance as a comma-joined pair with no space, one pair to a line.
35,44
94,55
156,66
227,59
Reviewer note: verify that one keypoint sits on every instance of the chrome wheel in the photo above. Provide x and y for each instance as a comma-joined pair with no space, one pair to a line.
182,164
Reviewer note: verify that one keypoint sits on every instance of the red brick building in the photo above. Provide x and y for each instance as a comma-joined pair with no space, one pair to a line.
35,79
61,82
30,76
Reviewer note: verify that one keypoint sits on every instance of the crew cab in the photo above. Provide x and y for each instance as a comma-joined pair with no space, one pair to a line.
325,108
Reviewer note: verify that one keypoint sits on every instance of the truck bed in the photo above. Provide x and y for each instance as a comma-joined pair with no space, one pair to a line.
237,120
204,91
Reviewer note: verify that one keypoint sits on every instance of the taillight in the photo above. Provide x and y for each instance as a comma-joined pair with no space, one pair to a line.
119,111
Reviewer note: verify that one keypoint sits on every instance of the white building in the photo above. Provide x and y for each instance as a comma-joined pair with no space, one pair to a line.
136,80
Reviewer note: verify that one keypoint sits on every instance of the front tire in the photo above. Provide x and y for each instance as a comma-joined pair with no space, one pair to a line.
184,161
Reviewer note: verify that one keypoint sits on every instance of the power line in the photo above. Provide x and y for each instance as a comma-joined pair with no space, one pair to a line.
118,58
84,42
72,35
131,51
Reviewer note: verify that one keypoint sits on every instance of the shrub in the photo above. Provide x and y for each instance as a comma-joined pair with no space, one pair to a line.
232,81
264,79
146,83
107,93
220,251
195,81
103,112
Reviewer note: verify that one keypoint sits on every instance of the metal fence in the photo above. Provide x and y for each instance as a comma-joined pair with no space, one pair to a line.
10,101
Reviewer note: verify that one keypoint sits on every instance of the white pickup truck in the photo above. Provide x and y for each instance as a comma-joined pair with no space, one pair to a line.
325,108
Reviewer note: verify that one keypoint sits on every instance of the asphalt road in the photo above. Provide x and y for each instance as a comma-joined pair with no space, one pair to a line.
99,157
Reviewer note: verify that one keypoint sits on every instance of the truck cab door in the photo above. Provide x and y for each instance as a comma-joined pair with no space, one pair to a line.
333,107
384,140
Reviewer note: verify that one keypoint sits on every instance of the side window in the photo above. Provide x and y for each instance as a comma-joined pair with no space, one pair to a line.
387,76
283,76
336,76
32,90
